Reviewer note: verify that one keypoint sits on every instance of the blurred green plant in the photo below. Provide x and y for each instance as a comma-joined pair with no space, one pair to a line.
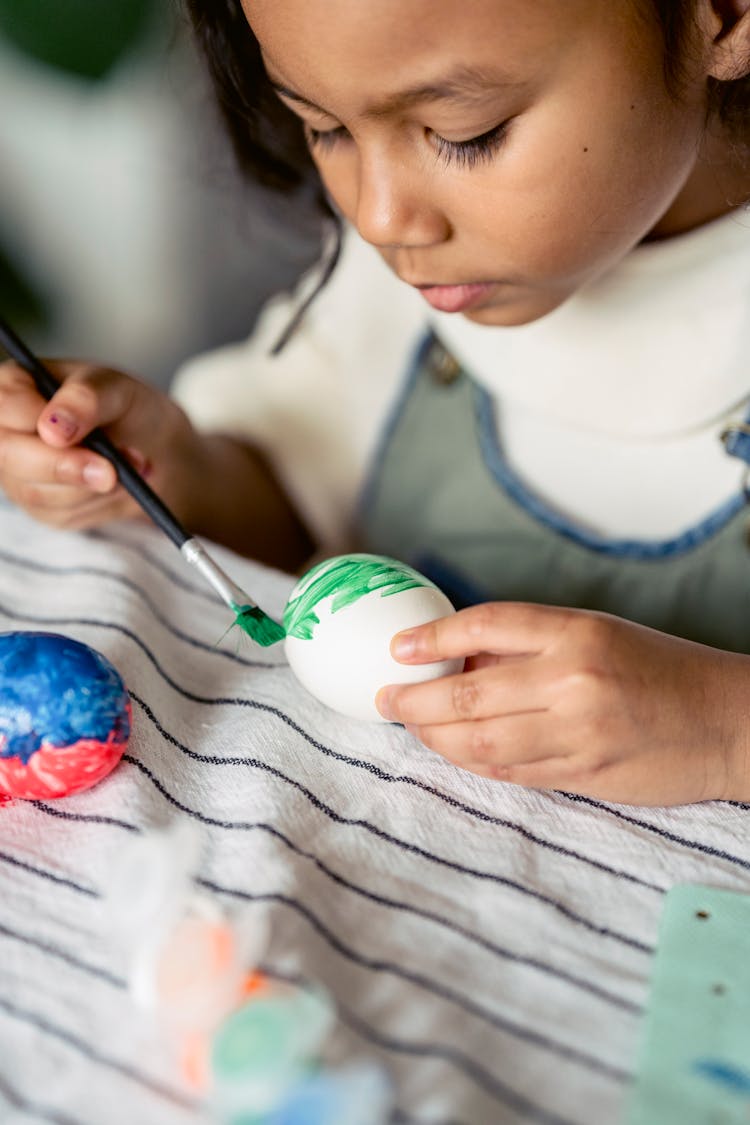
79,37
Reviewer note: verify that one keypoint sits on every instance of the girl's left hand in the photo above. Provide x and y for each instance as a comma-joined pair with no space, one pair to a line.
569,699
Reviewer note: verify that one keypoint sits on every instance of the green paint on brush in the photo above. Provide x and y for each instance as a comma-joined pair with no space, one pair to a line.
258,625
347,578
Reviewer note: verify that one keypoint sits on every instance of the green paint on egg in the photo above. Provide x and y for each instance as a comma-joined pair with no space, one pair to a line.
346,578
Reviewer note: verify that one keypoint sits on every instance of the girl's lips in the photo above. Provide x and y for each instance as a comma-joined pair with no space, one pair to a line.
454,298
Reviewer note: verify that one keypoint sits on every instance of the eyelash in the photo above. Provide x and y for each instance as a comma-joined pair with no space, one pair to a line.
466,154
324,139
477,150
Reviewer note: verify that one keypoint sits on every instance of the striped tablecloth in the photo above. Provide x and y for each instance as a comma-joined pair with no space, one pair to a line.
490,947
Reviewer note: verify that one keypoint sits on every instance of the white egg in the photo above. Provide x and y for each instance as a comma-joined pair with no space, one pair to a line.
340,620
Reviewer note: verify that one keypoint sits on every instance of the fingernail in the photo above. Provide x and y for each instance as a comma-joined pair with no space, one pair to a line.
95,474
65,423
383,704
403,645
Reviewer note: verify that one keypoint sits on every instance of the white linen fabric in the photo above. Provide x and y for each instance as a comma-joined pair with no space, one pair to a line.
489,946
610,408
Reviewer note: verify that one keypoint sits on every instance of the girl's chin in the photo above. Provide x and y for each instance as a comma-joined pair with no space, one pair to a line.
513,311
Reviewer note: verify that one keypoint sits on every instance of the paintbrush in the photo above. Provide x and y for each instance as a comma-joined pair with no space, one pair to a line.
249,616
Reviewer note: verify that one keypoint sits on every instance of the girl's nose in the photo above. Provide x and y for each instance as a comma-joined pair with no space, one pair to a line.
395,207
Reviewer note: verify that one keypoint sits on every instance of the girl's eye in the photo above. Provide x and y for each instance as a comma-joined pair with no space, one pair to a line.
324,139
469,153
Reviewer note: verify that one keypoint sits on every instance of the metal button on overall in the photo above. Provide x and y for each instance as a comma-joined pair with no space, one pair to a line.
444,368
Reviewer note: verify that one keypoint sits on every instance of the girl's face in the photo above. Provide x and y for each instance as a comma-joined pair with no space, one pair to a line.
502,153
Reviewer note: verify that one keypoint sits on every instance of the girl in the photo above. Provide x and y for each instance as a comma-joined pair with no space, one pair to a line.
545,405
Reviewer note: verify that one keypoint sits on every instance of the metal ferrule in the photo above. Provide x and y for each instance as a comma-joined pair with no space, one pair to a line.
229,592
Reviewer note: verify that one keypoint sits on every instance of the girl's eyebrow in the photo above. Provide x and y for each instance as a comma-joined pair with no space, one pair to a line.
464,85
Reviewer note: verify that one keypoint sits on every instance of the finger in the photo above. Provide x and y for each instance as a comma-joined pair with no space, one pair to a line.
89,397
547,773
510,689
31,464
72,509
503,628
20,402
482,660
499,744
43,498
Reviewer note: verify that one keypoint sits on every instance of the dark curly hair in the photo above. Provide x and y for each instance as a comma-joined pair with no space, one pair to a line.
268,139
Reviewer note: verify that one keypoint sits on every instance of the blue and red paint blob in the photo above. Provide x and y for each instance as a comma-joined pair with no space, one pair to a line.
65,716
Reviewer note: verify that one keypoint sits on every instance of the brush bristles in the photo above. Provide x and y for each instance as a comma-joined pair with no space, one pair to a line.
258,625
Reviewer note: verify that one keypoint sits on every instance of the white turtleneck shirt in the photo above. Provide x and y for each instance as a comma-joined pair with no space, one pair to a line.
610,408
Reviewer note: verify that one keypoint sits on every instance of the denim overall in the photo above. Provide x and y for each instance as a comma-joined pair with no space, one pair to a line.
442,497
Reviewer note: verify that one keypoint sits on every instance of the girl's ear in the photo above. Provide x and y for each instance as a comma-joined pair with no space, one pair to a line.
730,53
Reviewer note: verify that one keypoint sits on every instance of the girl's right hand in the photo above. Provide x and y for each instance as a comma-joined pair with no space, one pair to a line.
45,470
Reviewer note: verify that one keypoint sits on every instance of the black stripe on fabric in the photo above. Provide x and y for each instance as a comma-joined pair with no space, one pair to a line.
449,799
195,590
536,1039
422,1050
175,578
404,845
407,908
401,1117
693,845
379,833
65,1035
376,771
50,875
123,580
424,982
603,806
358,763
406,779
718,853
43,1112
464,1063
468,1066
86,818
97,535
63,955
112,626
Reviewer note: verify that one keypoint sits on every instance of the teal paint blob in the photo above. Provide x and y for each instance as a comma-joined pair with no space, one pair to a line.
724,1074
262,1049
346,578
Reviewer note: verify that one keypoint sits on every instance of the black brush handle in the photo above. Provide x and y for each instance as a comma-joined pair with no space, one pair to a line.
97,440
